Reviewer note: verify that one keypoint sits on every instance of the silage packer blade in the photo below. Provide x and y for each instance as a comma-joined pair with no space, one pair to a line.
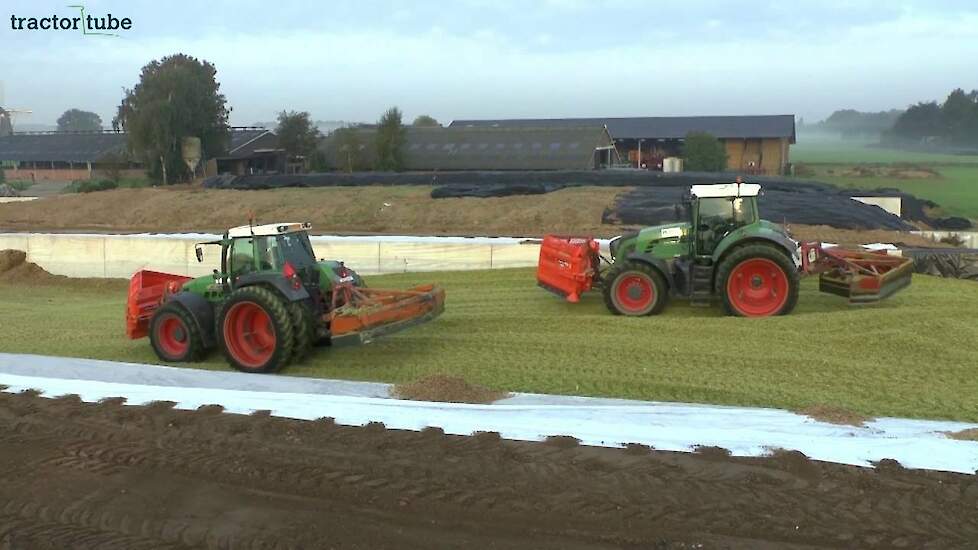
861,276
361,314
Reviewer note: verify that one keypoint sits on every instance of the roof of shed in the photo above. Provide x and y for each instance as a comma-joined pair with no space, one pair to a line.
61,147
674,127
463,148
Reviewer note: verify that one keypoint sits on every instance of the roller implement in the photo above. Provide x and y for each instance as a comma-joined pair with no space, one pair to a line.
724,252
269,303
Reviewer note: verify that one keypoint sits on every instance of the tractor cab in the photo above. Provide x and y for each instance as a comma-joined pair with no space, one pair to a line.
270,248
717,210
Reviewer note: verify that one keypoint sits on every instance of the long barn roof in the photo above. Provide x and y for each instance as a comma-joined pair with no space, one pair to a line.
671,127
461,148
93,146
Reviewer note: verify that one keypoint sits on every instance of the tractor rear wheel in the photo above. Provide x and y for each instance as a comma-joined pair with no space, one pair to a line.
174,334
634,289
758,281
256,330
303,328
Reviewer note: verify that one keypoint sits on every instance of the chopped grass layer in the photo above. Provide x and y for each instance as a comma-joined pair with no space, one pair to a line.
912,355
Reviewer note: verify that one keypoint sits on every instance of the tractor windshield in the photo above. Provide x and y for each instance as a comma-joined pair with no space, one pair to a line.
718,217
295,248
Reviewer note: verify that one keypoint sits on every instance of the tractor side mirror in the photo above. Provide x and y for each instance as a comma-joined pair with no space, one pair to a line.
200,254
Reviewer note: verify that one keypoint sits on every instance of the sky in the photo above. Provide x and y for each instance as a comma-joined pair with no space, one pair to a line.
456,59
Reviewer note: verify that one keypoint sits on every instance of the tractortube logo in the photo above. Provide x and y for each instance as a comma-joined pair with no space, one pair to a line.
87,24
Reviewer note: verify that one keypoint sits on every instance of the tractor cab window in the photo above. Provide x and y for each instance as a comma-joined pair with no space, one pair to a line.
274,251
718,217
241,257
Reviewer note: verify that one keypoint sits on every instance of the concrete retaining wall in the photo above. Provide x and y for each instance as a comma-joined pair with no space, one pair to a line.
122,255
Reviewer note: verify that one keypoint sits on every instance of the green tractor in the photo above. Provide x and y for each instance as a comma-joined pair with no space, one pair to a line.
269,303
725,252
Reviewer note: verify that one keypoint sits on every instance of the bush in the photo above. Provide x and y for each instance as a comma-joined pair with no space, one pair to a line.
704,153
89,186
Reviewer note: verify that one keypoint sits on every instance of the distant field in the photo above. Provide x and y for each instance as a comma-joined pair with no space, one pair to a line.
955,189
840,152
912,355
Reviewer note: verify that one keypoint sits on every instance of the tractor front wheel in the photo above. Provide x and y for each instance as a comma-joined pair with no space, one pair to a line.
174,334
758,281
634,289
256,330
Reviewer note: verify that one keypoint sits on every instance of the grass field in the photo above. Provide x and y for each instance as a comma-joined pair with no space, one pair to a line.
913,355
956,190
857,152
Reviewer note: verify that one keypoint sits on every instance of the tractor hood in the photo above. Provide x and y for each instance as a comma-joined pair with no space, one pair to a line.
629,242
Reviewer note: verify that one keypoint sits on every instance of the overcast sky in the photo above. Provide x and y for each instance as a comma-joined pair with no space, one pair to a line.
349,60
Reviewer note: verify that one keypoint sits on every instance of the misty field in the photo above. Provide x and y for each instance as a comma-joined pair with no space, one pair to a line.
953,186
911,355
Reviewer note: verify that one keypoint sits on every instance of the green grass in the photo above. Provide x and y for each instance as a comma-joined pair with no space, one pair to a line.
913,355
956,191
856,152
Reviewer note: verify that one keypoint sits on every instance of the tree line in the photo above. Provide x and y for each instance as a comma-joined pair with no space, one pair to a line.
953,122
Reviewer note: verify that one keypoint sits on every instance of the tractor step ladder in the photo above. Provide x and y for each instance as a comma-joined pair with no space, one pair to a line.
701,294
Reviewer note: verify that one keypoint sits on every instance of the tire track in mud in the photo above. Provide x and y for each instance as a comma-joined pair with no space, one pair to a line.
480,485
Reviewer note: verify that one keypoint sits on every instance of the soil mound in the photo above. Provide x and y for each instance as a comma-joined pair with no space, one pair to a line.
835,415
971,434
446,389
14,268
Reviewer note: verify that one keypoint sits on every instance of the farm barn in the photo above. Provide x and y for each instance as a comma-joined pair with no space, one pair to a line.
754,144
585,147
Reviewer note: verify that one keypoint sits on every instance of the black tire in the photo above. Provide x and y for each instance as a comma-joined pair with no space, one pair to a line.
767,253
304,331
279,326
175,336
644,274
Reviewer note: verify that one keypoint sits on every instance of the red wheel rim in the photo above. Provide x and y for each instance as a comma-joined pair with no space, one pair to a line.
249,334
634,293
757,287
172,335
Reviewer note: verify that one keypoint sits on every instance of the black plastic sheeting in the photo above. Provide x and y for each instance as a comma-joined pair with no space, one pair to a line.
655,206
949,263
791,200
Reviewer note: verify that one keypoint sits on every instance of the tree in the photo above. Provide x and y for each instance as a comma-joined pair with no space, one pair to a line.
297,134
425,121
176,97
349,149
920,121
960,113
704,153
390,141
76,120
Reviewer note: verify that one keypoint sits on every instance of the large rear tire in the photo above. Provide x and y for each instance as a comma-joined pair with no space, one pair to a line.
174,335
303,328
758,281
634,289
256,331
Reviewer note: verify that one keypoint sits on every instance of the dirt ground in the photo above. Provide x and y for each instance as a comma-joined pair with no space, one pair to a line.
105,476
15,269
401,210
446,389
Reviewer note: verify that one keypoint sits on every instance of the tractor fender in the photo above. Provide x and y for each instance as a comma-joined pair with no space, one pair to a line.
658,264
275,281
202,312
735,240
